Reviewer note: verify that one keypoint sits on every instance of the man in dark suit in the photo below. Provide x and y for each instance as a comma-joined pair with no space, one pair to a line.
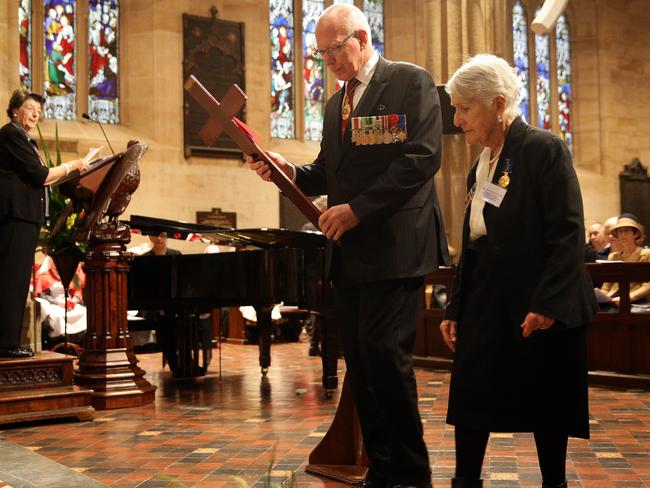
380,149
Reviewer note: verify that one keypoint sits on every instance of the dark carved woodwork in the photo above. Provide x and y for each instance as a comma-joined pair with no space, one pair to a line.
635,191
213,50
40,388
107,363
618,344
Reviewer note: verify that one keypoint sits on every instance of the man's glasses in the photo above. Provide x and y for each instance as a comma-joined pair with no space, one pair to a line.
332,50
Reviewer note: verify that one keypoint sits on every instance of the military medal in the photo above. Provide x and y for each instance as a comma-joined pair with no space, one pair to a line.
401,133
470,195
504,179
347,109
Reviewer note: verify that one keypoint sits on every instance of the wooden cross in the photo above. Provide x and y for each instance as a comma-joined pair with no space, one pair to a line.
222,119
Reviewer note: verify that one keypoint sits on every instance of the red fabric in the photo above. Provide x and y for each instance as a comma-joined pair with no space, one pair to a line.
247,130
46,279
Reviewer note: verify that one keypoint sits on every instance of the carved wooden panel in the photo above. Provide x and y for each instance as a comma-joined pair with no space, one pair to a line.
635,191
213,51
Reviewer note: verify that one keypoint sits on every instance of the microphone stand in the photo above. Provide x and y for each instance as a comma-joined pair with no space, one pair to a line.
88,117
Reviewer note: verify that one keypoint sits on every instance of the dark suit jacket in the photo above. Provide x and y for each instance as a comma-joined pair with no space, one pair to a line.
389,186
536,236
22,176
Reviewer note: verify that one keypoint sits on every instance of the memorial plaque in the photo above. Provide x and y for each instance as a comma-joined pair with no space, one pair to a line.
213,51
217,218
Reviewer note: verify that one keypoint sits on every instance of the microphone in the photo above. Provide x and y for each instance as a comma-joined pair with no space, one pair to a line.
88,117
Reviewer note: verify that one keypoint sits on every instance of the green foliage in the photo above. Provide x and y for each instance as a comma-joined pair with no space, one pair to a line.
56,235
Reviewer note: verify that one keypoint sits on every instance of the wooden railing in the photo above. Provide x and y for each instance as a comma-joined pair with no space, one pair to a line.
618,340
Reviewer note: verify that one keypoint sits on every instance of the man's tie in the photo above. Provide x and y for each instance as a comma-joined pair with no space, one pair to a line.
347,104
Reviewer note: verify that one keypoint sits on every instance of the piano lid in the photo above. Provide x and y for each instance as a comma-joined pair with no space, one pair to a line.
263,238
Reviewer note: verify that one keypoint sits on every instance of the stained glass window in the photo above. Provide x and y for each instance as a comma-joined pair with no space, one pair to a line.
282,69
25,34
374,10
349,2
543,71
520,55
103,99
564,79
314,71
59,63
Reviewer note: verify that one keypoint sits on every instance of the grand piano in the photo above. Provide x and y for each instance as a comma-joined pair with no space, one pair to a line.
269,266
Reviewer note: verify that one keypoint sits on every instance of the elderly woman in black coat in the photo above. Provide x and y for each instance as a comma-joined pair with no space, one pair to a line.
23,208
521,297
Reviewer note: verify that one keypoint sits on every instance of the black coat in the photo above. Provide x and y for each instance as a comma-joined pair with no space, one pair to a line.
389,187
536,236
22,194
532,260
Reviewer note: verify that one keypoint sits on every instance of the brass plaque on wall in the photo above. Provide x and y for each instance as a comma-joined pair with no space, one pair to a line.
213,51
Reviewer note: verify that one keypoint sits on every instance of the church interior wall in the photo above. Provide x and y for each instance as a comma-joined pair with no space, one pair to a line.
610,55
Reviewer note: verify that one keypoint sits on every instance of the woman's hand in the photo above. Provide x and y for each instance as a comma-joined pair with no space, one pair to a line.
77,164
535,321
448,331
63,170
262,169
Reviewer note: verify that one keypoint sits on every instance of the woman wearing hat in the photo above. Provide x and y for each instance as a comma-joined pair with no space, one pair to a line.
630,235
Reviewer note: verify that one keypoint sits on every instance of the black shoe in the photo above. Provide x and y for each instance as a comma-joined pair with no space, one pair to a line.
16,352
314,351
561,485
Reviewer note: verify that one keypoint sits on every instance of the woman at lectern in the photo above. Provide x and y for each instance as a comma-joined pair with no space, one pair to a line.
23,208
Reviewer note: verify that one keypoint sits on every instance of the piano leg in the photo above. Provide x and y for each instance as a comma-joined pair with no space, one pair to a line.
329,349
264,327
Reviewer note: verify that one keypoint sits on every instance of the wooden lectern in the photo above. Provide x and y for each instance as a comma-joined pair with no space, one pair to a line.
107,364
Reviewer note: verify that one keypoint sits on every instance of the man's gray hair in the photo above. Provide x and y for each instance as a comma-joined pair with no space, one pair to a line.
346,18
485,76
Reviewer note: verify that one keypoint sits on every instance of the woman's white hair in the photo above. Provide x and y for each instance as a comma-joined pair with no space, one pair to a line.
485,76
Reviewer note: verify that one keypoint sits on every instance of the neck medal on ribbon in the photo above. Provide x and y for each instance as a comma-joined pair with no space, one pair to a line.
504,179
347,109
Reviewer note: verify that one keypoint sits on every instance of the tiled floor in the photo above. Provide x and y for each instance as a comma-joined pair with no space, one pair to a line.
205,432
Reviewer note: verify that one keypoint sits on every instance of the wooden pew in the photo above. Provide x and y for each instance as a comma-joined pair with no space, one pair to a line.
618,342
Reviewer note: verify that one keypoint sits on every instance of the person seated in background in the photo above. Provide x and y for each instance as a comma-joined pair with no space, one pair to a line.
629,234
597,247
629,215
49,293
160,248
612,242
162,319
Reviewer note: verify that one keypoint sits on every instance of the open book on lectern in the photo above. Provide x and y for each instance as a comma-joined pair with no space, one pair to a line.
93,189
222,119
